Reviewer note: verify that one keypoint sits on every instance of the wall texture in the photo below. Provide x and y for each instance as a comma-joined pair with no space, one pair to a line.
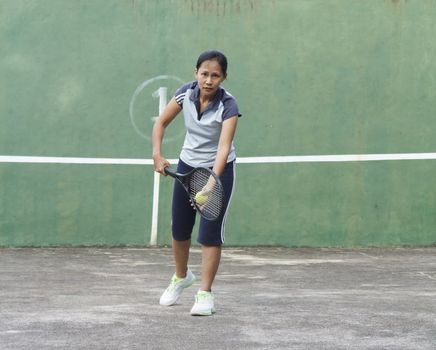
311,77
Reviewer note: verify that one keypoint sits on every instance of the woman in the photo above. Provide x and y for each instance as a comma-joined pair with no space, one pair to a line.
210,115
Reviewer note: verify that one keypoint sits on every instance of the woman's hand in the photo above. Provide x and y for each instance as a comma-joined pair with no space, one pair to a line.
160,163
207,189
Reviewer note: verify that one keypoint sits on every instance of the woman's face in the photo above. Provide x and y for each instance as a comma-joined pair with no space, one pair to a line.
209,76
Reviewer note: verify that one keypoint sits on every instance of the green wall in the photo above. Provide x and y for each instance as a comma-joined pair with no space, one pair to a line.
311,77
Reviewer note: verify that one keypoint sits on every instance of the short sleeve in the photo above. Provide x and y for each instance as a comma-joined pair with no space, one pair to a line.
230,107
180,93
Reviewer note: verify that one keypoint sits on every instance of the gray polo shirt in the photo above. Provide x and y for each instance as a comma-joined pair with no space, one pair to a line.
203,130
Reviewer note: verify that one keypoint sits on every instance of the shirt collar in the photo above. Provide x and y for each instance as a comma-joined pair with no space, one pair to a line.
195,97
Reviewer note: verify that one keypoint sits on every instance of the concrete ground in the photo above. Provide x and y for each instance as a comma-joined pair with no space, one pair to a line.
266,298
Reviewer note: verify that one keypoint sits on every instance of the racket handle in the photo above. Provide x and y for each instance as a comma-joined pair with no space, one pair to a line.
170,171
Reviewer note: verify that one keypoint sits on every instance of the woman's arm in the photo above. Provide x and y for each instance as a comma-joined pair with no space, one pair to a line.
227,133
167,116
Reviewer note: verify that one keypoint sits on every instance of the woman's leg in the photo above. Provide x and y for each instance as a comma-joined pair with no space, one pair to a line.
181,256
211,256
183,220
211,233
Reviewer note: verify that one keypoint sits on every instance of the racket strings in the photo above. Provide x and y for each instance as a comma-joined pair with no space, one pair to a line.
211,209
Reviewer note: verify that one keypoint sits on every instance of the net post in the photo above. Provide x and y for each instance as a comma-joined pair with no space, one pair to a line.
160,93
154,217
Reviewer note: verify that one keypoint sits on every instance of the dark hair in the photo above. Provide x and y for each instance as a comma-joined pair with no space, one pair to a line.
211,55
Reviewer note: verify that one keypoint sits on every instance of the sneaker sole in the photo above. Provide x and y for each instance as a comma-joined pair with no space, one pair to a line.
210,313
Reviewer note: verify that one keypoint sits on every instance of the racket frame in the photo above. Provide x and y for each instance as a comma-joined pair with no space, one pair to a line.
184,179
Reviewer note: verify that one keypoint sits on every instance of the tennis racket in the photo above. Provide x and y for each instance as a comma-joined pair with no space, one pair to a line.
204,189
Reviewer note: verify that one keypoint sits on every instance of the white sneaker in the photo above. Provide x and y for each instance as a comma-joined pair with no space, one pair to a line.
204,304
175,289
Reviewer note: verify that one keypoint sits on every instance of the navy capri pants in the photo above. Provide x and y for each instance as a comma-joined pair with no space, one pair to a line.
211,233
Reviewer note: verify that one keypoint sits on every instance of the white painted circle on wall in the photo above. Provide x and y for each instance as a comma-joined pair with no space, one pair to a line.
145,103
